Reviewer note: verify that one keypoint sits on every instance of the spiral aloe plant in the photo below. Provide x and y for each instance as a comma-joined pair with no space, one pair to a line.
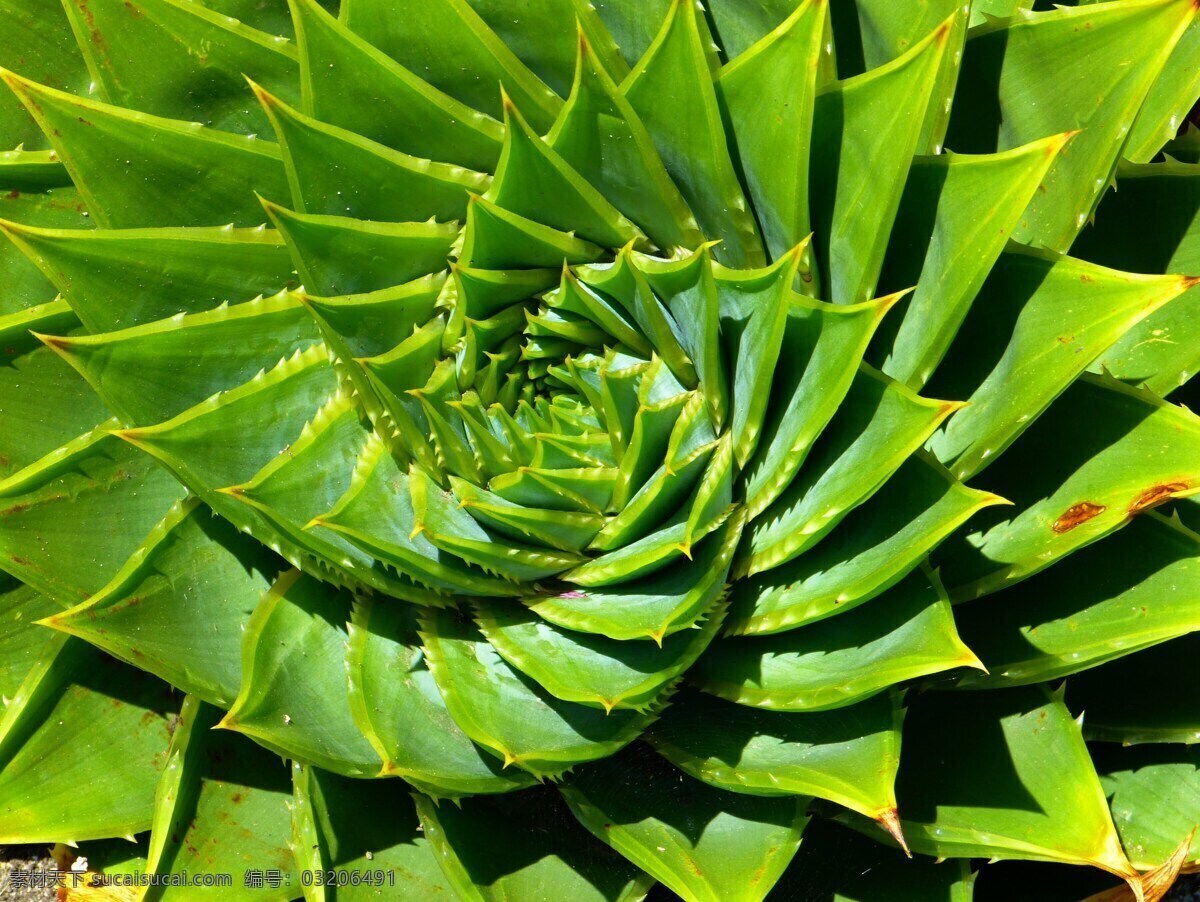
547,428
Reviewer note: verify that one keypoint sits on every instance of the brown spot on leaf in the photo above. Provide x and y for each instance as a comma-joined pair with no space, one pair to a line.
1076,515
1156,495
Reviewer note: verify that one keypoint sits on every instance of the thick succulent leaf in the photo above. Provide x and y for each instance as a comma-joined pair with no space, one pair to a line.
654,606
294,697
845,468
494,238
454,50
524,846
672,90
94,500
334,172
506,712
124,42
1116,451
768,95
821,347
375,322
1038,322
337,255
207,445
81,719
221,808
116,278
532,180
22,639
849,756
153,372
633,26
36,41
701,842
137,170
399,708
1107,57
1124,701
1012,780
878,543
1169,101
377,855
351,84
24,284
44,404
377,514
1151,226
586,668
1136,589
599,134
942,244
837,865
179,605
1154,793
32,170
865,132
907,633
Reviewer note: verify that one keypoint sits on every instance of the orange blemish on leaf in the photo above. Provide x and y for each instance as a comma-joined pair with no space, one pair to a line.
1156,495
1076,515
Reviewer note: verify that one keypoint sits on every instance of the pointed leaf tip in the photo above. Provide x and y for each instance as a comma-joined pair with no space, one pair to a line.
889,819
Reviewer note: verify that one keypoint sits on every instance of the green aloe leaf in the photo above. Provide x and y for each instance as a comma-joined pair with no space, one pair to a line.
865,133
116,278
351,84
1169,101
701,842
768,95
32,170
33,35
334,172
878,543
509,714
1163,779
1013,780
377,855
845,468
79,719
532,180
25,284
672,89
154,372
945,247
599,134
849,756
820,341
123,42
179,605
524,846
1113,52
23,637
397,705
1040,320
1121,702
589,669
1135,453
1136,589
294,697
95,499
137,170
221,808
453,49
907,632
1134,231
337,255
663,603
58,407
